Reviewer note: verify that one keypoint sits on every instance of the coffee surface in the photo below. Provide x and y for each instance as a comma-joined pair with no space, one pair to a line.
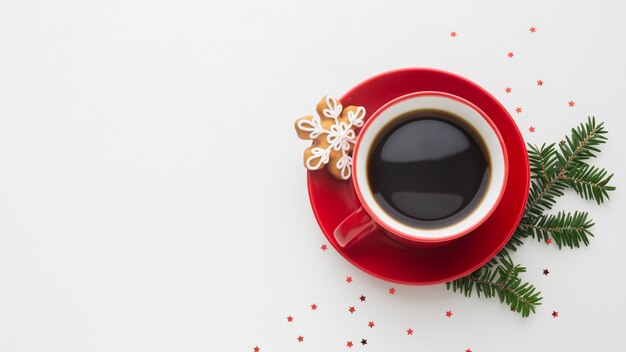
427,169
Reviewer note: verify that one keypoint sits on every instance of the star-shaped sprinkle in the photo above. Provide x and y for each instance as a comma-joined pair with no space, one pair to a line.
409,331
507,89
363,342
289,319
300,338
540,83
392,291
256,349
510,55
313,306
555,314
362,298
349,279
571,103
371,324
349,344
449,313
546,272
518,110
453,34
351,310
324,247
531,129
548,240
532,29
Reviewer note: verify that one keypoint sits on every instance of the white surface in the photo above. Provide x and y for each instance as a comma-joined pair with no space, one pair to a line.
467,113
152,196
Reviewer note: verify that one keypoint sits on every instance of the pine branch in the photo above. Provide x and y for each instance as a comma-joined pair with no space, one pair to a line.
543,161
553,170
583,142
590,182
502,281
566,229
542,195
549,175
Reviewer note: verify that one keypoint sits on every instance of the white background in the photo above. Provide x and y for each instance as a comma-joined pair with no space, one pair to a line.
152,196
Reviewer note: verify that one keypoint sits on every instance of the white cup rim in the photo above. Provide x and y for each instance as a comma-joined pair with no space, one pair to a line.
494,145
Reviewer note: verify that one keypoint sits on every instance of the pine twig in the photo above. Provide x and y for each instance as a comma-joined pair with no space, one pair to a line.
501,281
553,170
580,146
543,161
566,229
590,182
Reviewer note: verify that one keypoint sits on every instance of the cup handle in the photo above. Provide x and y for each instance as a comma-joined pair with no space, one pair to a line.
357,224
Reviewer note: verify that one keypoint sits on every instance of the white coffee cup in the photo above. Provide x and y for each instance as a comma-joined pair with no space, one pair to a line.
371,216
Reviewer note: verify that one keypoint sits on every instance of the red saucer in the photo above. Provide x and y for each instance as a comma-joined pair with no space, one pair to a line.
382,256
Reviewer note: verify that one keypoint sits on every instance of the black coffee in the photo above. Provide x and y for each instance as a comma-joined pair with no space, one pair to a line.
427,169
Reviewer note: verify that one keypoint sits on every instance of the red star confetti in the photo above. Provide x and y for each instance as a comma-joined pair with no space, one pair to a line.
571,103
453,34
289,319
351,310
392,291
449,313
409,331
546,272
324,247
371,324
510,54
468,350
313,306
539,82
349,279
300,338
518,110
531,129
507,89
555,314
349,344
256,349
363,342
548,240
532,29
362,298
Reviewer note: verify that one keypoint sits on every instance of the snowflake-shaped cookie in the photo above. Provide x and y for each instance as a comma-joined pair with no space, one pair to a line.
333,135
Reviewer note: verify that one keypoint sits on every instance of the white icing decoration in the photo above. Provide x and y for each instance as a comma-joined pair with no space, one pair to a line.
356,117
345,165
314,127
333,108
322,155
339,136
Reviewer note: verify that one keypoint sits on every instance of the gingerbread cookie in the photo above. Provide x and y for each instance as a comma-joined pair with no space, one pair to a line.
333,134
